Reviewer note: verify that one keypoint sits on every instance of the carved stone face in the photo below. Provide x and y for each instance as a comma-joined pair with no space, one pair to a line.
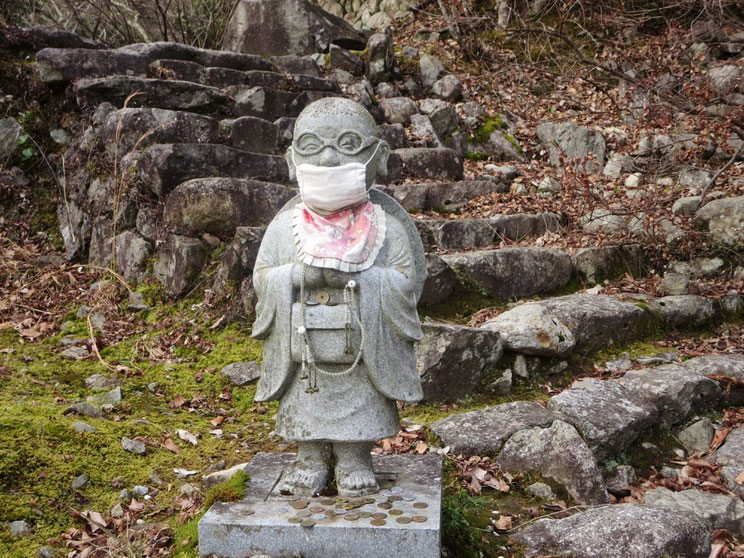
335,131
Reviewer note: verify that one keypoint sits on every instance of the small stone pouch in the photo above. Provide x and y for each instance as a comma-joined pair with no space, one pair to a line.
334,337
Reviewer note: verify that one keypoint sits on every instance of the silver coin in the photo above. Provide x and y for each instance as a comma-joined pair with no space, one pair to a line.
340,511
386,492
399,503
282,510
409,498
319,516
396,490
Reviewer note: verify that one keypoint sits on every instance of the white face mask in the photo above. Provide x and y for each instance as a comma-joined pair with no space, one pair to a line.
333,188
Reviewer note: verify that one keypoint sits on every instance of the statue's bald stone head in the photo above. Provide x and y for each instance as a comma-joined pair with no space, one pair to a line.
347,133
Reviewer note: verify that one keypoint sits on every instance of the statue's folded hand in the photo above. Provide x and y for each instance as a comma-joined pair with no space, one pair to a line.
313,276
335,278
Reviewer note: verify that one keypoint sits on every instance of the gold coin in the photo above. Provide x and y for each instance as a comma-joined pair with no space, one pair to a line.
419,518
331,513
404,520
379,515
295,520
309,522
378,522
368,500
322,297
248,511
299,504
365,514
328,501
385,505
420,505
341,499
395,498
348,506
396,512
304,513
351,516
317,509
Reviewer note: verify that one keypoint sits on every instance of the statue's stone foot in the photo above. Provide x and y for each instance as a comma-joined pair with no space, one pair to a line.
309,473
354,474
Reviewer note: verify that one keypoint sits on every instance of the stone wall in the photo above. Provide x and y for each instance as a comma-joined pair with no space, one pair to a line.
370,14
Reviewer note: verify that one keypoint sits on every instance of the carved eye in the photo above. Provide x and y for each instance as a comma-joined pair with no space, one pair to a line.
308,142
350,141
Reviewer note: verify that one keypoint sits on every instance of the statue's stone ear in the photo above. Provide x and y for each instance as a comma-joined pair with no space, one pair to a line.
382,158
290,163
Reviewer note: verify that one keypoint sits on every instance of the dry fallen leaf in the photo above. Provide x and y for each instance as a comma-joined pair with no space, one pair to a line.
171,445
421,447
178,401
216,421
187,436
504,523
740,478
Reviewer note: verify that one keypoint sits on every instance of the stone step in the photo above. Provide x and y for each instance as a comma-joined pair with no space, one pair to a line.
441,196
463,234
157,93
437,163
206,57
63,65
163,166
270,104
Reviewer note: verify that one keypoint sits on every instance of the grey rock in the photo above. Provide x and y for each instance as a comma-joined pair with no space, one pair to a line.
484,431
398,110
603,220
97,321
723,78
71,341
220,465
444,121
666,357
619,365
220,205
675,390
394,134
722,365
549,184
423,132
147,126
76,353
624,476
136,302
699,267
223,77
57,65
125,495
117,511
60,136
182,70
597,264
707,31
344,77
685,311
620,531
239,257
381,56
19,528
292,64
344,60
256,135
112,397
446,196
499,145
164,166
292,27
140,490
531,330
453,360
723,219
218,477
166,94
80,481
674,284
129,249
440,281
617,164
502,385
541,490
609,416
98,381
241,373
83,427
694,177
570,140
448,88
386,90
155,479
206,57
409,53
133,446
432,163
187,489
513,272
10,132
698,436
731,457
719,510
84,409
57,38
598,321
557,452
430,69
179,263
46,552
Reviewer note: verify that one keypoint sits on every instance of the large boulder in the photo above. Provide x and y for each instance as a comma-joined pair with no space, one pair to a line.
723,219
731,366
620,531
126,253
453,360
179,262
205,57
731,457
287,27
557,452
609,416
219,205
685,311
676,391
513,272
434,163
62,65
440,281
598,263
530,329
484,431
165,165
720,510
570,141
255,135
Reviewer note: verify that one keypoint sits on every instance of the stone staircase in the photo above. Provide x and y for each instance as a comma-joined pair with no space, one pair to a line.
196,138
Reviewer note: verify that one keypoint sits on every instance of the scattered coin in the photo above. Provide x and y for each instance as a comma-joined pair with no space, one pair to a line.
419,518
341,499
378,522
386,492
309,522
328,501
404,520
400,504
295,520
409,498
368,500
317,509
420,505
396,490
348,506
379,515
351,516
395,498
365,514
248,511
282,510
340,511
304,513
396,512
299,504
385,505
319,516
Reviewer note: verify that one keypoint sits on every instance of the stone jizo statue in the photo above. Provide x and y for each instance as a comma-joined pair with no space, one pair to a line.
338,277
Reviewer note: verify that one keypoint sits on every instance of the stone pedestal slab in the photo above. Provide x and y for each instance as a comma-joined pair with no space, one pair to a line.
260,524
